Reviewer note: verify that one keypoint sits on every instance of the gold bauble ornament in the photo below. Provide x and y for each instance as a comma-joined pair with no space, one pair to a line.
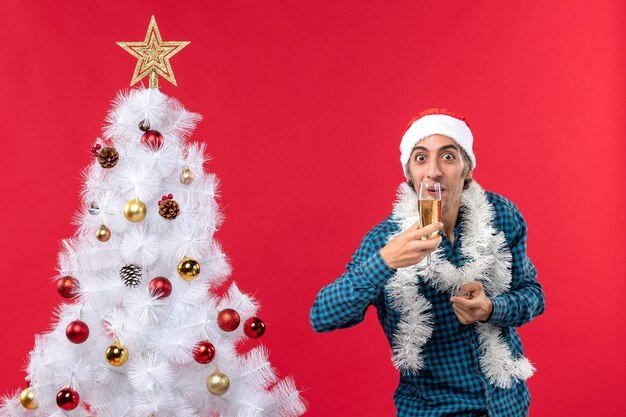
103,233
186,177
28,399
116,354
188,269
135,210
217,383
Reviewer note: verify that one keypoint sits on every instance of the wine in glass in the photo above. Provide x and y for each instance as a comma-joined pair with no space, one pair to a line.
429,202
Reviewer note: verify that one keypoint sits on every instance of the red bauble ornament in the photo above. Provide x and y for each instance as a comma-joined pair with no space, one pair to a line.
68,399
67,287
160,287
254,327
228,320
204,352
77,331
153,139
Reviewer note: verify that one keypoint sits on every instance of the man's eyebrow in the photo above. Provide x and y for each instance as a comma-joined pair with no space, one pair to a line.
417,147
443,148
451,146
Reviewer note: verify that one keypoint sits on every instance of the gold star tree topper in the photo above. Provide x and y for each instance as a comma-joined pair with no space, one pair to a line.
153,56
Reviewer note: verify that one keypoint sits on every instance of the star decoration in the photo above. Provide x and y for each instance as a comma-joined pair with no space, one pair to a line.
153,55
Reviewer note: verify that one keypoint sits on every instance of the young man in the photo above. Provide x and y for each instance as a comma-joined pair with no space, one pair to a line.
451,321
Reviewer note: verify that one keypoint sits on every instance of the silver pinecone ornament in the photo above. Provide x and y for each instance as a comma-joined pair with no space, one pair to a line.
131,275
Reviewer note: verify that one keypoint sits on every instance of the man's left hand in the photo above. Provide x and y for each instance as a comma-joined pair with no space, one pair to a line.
472,304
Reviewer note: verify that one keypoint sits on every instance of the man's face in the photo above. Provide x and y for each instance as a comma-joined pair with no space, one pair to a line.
438,158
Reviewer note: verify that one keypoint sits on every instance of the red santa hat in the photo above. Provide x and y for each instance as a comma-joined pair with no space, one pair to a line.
436,122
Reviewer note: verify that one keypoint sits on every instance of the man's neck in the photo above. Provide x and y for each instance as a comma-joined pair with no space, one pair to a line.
449,219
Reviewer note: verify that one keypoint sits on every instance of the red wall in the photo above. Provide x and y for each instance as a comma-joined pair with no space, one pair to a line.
304,106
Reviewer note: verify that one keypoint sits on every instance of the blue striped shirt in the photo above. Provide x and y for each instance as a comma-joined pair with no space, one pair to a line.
451,382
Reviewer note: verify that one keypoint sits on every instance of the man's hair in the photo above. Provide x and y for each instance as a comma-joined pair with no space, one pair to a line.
467,167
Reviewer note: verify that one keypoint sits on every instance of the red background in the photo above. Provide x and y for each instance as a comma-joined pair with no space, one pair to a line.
304,106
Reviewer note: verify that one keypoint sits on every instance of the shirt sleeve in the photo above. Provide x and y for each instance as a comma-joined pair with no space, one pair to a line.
343,303
525,300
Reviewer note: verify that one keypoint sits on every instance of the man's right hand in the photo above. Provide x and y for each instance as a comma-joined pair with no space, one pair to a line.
408,248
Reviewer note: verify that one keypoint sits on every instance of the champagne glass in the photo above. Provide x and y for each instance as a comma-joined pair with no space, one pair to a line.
429,203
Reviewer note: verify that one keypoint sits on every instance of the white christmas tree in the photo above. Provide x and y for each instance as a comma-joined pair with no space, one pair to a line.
142,333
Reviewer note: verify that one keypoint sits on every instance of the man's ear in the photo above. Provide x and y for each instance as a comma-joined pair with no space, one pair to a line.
469,175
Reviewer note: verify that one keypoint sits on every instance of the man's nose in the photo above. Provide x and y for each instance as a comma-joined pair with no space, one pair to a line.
433,169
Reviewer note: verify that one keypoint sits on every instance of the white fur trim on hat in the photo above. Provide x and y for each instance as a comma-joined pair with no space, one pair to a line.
436,124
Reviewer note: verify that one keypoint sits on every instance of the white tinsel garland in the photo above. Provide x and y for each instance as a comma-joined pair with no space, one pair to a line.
487,257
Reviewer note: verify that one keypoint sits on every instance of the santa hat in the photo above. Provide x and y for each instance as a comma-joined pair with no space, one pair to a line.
436,122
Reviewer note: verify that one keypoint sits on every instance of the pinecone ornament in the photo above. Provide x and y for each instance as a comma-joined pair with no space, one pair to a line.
168,207
131,275
144,125
107,157
93,208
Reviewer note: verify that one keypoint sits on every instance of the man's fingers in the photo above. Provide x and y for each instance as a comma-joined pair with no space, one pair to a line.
461,315
464,303
427,230
468,302
464,316
459,311
429,244
471,287
414,239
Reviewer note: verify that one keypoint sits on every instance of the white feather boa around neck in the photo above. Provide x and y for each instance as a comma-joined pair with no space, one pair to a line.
487,259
